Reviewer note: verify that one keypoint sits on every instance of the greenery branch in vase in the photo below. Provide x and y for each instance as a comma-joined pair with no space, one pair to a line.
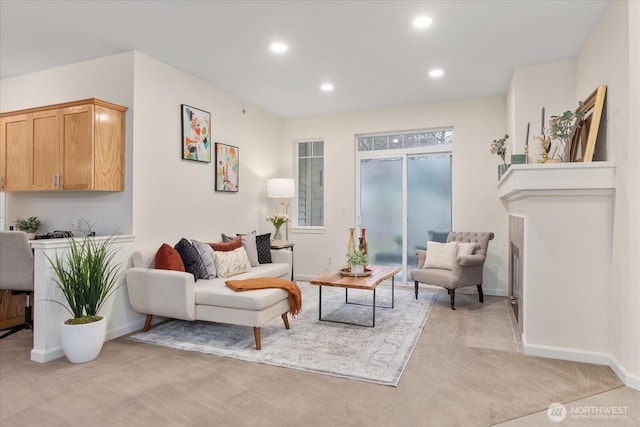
278,220
499,147
561,128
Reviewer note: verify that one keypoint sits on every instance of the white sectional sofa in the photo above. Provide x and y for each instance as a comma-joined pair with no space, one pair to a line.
178,295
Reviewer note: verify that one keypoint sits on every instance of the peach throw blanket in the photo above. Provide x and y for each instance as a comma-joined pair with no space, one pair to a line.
295,296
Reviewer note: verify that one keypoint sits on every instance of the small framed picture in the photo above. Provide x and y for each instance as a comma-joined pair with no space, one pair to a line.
196,134
227,167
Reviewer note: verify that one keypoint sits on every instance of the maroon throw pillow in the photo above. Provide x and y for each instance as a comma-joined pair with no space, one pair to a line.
227,246
167,258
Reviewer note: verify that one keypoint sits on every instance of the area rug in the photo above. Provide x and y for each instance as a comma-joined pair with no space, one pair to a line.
378,355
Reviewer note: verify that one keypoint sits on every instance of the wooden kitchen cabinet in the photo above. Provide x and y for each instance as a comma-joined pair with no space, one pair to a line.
46,148
15,153
73,146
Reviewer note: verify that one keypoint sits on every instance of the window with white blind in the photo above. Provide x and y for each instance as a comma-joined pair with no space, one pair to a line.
310,212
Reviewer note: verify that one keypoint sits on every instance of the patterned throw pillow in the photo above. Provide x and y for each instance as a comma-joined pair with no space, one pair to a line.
263,246
206,253
232,262
249,245
192,260
167,258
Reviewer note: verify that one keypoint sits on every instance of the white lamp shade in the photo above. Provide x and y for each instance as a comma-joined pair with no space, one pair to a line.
281,187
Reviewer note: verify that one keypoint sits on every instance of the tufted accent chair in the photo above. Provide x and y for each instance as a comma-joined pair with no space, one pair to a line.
467,270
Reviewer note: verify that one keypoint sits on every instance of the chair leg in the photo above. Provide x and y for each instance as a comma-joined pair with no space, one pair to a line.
452,292
416,287
480,294
28,317
14,329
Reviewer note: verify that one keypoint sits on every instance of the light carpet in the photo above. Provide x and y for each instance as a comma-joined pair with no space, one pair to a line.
378,355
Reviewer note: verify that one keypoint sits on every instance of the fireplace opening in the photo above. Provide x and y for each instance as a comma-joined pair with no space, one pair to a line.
514,278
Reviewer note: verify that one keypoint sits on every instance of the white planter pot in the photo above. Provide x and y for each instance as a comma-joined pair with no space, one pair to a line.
83,343
357,269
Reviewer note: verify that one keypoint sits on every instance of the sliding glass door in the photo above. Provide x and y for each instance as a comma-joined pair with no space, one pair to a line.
428,210
404,200
381,209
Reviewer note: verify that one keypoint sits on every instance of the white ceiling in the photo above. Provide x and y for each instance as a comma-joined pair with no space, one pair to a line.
367,49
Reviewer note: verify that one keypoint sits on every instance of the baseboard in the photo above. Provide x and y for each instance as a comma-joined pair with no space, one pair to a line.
124,329
46,356
630,380
597,358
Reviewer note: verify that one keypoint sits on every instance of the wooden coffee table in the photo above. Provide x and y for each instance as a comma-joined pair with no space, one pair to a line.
369,283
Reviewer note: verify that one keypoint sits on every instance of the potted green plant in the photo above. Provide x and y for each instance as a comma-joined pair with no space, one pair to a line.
357,260
29,225
87,276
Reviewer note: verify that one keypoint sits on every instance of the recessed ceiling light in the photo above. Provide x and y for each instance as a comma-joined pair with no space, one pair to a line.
327,87
422,22
436,73
278,47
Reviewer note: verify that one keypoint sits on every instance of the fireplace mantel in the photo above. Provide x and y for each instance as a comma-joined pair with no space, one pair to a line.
564,213
561,179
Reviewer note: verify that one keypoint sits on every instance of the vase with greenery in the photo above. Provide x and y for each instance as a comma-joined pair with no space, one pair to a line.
499,147
358,260
278,220
29,225
562,128
87,275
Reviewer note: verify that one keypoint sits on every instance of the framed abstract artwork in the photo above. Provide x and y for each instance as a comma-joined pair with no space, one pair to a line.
227,167
196,134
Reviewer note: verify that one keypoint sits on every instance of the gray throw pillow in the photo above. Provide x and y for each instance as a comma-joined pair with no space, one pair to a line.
206,253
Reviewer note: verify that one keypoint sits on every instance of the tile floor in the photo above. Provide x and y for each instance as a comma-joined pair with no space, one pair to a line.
491,325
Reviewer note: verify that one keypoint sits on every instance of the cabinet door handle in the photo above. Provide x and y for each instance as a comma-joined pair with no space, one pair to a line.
54,180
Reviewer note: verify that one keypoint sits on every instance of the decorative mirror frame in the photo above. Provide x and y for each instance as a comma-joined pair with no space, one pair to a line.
583,141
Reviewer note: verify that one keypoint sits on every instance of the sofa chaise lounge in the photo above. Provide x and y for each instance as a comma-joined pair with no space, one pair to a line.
176,294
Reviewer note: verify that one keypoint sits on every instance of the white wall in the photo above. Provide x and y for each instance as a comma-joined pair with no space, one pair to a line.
476,206
110,79
610,57
175,198
550,85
